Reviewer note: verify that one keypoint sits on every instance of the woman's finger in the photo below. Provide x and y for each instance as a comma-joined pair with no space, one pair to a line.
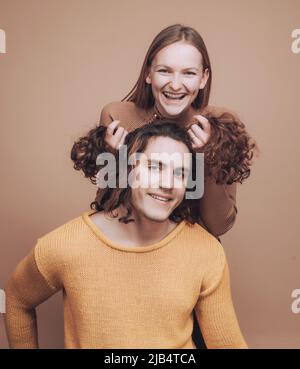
204,122
195,140
111,127
125,133
117,136
200,133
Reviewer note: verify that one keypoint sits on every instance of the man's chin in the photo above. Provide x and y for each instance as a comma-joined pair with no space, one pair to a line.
159,218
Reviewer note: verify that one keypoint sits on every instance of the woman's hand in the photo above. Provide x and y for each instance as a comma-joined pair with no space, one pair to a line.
115,135
198,135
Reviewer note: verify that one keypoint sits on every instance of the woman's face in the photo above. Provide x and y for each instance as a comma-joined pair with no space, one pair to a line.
176,75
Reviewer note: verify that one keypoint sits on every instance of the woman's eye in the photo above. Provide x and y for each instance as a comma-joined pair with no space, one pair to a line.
163,70
191,73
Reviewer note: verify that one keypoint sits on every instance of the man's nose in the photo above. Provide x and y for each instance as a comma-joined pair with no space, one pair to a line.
167,180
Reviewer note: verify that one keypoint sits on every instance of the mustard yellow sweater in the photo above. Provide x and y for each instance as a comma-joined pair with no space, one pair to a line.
118,296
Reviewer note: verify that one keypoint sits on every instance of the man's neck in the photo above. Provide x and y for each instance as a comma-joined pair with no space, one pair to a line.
140,232
144,231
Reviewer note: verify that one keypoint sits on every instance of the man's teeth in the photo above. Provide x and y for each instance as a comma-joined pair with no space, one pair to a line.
160,198
170,95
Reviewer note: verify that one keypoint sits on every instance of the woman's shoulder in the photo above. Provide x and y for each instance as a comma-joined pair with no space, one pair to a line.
219,111
116,106
126,111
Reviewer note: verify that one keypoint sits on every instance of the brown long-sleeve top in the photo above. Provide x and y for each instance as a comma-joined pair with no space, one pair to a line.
118,296
217,207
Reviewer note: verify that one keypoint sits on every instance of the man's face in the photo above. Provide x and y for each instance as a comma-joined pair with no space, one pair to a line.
160,178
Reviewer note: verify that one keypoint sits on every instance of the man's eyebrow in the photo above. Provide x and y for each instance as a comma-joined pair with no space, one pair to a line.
166,66
185,169
155,161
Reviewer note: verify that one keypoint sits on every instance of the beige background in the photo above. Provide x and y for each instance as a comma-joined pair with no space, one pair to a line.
67,58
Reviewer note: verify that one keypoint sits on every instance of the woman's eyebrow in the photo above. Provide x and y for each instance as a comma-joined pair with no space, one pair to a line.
166,66
161,65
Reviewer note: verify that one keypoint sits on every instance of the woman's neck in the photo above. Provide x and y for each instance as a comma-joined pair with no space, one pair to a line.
186,117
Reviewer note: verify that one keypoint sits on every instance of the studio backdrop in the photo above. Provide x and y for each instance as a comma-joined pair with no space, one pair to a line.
61,61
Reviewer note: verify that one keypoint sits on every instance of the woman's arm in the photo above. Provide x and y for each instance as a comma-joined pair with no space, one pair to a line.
228,158
215,311
218,206
26,289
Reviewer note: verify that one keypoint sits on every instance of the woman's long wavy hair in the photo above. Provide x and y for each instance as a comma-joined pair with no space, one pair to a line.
141,93
109,199
230,150
228,155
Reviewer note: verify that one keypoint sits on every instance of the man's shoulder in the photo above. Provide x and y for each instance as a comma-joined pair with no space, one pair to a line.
202,242
63,237
58,248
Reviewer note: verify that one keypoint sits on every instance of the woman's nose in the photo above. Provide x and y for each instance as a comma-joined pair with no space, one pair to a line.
176,82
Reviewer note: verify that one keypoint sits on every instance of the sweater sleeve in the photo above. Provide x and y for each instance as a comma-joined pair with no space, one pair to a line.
26,289
215,311
217,206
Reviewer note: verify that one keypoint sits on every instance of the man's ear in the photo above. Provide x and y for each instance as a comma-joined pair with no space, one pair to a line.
204,79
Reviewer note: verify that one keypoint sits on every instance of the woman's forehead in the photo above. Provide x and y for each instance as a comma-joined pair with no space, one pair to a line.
178,54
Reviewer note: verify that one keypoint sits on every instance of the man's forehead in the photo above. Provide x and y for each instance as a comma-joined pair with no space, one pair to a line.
166,158
165,144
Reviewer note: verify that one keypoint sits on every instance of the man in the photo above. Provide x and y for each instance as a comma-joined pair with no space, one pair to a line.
133,269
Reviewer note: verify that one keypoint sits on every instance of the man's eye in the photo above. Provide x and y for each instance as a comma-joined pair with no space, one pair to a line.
153,166
179,173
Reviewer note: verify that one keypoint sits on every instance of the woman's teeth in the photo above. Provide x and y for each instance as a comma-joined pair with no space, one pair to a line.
172,96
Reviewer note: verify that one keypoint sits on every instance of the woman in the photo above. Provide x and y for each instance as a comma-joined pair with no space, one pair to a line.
175,83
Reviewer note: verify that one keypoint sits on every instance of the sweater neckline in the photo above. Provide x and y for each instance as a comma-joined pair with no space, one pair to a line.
116,245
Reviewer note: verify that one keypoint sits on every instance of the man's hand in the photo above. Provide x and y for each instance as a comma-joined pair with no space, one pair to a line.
198,135
115,135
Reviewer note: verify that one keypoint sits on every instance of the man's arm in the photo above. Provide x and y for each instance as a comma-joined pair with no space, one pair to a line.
215,311
218,206
26,289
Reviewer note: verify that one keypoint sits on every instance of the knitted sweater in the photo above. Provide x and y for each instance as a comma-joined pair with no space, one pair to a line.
118,296
217,207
